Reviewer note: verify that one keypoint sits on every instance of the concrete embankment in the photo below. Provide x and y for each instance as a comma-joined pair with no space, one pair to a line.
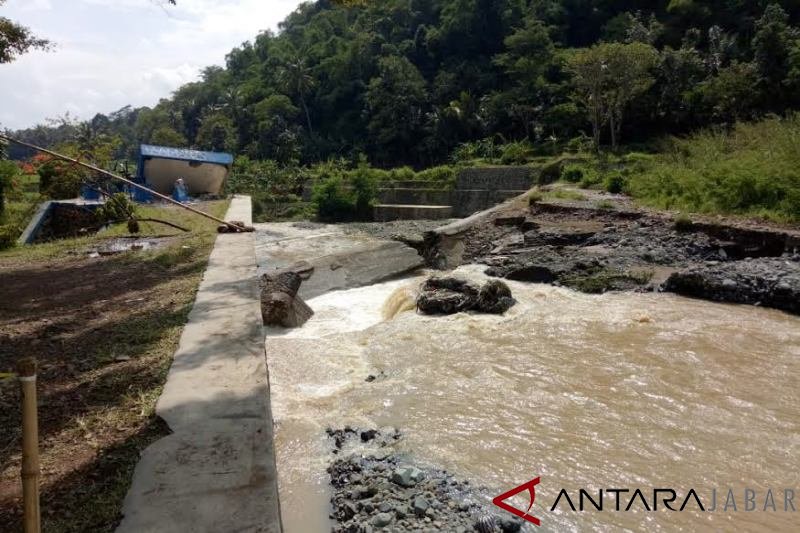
216,472
336,260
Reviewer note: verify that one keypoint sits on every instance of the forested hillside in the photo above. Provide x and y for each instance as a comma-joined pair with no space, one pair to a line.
407,81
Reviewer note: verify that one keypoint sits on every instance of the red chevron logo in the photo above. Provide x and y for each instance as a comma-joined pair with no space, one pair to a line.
530,486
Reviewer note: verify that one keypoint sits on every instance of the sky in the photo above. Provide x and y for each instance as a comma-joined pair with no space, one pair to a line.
111,53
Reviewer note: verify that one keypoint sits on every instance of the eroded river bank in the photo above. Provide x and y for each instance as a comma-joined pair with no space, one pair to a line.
623,389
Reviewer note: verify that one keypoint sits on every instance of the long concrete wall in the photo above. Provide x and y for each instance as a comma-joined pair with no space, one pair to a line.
216,471
476,189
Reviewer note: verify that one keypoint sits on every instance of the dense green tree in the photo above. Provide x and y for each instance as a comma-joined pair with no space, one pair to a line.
732,94
396,100
166,136
408,81
772,47
217,133
16,39
608,77
296,78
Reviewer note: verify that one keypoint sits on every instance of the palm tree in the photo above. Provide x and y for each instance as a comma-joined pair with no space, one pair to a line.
296,78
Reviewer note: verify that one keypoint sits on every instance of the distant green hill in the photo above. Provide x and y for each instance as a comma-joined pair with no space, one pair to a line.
408,81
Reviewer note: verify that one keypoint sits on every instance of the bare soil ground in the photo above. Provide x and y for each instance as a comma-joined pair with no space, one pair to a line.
103,330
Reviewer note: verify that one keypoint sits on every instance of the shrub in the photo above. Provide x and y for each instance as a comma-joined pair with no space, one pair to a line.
572,173
333,199
59,181
482,149
116,209
582,143
446,175
8,236
365,190
8,171
402,174
515,153
550,172
614,183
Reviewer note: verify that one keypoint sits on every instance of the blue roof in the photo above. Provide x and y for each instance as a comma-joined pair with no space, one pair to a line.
184,154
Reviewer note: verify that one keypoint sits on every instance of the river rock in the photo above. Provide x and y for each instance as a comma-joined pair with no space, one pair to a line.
407,476
420,506
495,297
450,295
382,519
767,281
447,296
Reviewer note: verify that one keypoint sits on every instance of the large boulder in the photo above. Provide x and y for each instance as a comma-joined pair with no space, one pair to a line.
447,296
495,297
280,304
450,295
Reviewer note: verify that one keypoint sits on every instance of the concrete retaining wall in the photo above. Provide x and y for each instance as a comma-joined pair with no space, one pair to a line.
415,196
496,178
476,189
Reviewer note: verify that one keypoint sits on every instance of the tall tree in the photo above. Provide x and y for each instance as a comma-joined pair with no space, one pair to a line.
608,77
396,101
16,39
772,45
296,77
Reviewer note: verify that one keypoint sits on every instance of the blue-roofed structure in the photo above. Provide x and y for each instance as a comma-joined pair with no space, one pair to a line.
161,166
185,154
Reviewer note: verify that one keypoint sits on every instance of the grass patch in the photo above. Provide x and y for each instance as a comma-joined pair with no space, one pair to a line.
104,331
22,198
753,170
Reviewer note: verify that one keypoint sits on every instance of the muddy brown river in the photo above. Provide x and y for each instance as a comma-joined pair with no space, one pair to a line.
614,391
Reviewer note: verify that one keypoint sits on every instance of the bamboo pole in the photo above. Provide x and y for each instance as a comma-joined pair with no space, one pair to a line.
26,369
234,227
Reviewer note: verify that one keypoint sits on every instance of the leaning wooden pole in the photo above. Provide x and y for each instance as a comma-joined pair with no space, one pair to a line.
26,370
234,227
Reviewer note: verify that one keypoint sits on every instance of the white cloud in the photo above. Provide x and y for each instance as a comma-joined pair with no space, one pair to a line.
112,53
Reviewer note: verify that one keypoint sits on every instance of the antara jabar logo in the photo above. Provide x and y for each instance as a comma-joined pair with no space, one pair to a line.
530,486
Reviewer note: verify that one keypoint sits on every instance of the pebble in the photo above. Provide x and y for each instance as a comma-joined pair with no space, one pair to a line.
382,519
407,476
420,505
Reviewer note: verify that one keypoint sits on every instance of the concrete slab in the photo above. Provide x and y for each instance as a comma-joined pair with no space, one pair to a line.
216,472
340,261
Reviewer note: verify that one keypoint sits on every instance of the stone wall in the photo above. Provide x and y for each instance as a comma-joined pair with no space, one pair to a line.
519,178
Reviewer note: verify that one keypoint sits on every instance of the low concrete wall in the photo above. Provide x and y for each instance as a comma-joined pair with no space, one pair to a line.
476,189
415,196
507,178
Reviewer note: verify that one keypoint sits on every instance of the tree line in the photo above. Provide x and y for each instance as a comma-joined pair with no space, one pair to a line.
409,81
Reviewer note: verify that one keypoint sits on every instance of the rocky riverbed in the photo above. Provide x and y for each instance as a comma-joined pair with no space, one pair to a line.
376,489
596,250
